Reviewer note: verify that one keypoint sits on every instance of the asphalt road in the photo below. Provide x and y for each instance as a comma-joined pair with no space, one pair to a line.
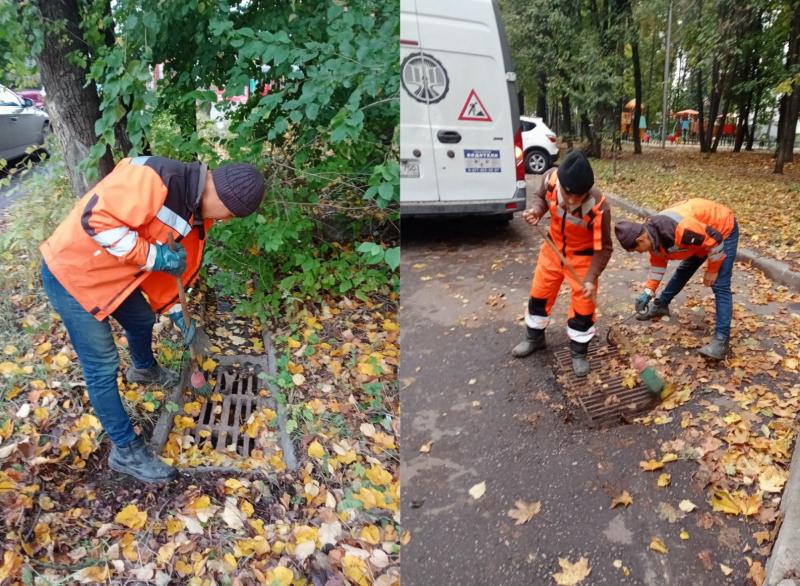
495,419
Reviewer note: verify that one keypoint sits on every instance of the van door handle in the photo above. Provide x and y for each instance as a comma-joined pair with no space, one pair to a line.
448,136
14,118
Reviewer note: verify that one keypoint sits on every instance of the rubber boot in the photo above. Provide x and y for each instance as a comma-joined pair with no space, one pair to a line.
136,459
155,375
534,341
717,349
655,310
580,357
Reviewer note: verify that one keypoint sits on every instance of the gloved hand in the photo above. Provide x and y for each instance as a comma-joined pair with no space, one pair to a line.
187,330
643,301
168,261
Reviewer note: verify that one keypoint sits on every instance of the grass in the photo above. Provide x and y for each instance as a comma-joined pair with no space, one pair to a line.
765,204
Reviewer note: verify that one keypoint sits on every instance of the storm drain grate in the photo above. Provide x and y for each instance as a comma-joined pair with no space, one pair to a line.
224,419
603,395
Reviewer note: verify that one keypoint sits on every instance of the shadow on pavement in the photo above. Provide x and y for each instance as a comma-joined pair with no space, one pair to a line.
460,230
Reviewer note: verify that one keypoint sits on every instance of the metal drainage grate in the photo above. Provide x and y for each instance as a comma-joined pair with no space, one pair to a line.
240,398
602,394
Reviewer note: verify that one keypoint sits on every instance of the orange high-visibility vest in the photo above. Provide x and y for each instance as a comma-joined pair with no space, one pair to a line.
105,248
695,227
575,235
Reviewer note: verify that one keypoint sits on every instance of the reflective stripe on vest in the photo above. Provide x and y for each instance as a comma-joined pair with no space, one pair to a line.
585,232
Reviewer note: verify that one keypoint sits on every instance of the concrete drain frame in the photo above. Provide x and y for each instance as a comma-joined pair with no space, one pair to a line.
238,383
613,403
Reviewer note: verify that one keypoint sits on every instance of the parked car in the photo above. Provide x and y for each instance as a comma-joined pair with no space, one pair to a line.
22,125
538,144
36,96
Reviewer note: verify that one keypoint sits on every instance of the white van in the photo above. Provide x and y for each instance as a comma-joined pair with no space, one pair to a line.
460,132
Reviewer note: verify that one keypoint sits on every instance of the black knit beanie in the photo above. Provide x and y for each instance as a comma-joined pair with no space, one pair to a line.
627,233
240,187
575,173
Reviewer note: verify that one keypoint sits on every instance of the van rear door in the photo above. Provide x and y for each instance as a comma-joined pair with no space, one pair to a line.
471,125
418,76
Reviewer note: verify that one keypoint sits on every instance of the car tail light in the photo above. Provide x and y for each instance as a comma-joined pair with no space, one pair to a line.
551,137
511,206
518,155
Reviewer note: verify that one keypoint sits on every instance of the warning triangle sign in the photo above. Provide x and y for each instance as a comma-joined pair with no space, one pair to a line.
474,109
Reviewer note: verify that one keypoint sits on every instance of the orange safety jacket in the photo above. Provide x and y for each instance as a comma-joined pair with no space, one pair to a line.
695,227
574,235
105,248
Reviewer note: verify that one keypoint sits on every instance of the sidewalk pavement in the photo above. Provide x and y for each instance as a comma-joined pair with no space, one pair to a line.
783,566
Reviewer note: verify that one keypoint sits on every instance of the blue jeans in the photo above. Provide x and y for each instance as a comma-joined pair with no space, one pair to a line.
94,344
723,298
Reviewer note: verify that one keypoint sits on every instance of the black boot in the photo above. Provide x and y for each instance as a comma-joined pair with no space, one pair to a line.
136,459
717,349
580,357
534,341
155,375
656,310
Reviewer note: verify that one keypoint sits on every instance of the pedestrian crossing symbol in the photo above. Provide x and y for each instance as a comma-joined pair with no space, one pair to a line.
474,109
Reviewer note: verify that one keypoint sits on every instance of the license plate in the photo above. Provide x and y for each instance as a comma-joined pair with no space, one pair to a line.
409,168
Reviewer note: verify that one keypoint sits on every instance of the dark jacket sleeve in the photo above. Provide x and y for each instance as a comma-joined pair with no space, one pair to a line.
601,257
539,200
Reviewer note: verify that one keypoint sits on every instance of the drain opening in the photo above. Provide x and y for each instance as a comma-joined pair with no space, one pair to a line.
603,395
221,422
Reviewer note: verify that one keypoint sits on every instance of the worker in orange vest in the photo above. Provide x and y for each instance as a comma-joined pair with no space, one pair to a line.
691,231
109,258
580,227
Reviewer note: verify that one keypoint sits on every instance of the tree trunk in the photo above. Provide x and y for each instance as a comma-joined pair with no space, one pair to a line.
721,128
788,120
713,104
586,127
73,105
701,134
742,125
751,136
637,85
787,126
541,98
567,114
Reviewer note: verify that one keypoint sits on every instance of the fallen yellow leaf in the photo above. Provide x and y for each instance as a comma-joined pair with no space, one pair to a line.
651,465
570,573
425,448
524,512
477,490
624,500
657,545
208,364
663,480
684,535
722,501
370,534
131,517
315,449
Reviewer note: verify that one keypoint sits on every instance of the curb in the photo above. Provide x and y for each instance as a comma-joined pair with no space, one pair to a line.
785,556
775,270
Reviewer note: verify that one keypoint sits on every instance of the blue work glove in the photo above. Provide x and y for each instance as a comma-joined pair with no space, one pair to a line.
643,301
187,330
168,261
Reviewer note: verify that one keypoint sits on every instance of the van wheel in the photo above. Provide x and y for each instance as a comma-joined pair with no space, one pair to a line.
537,161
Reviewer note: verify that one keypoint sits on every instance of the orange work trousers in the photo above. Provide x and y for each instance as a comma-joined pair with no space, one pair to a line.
547,279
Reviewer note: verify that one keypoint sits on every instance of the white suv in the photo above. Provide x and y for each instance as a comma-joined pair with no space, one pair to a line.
538,144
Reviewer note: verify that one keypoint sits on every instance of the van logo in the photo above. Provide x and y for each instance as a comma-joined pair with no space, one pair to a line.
424,78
